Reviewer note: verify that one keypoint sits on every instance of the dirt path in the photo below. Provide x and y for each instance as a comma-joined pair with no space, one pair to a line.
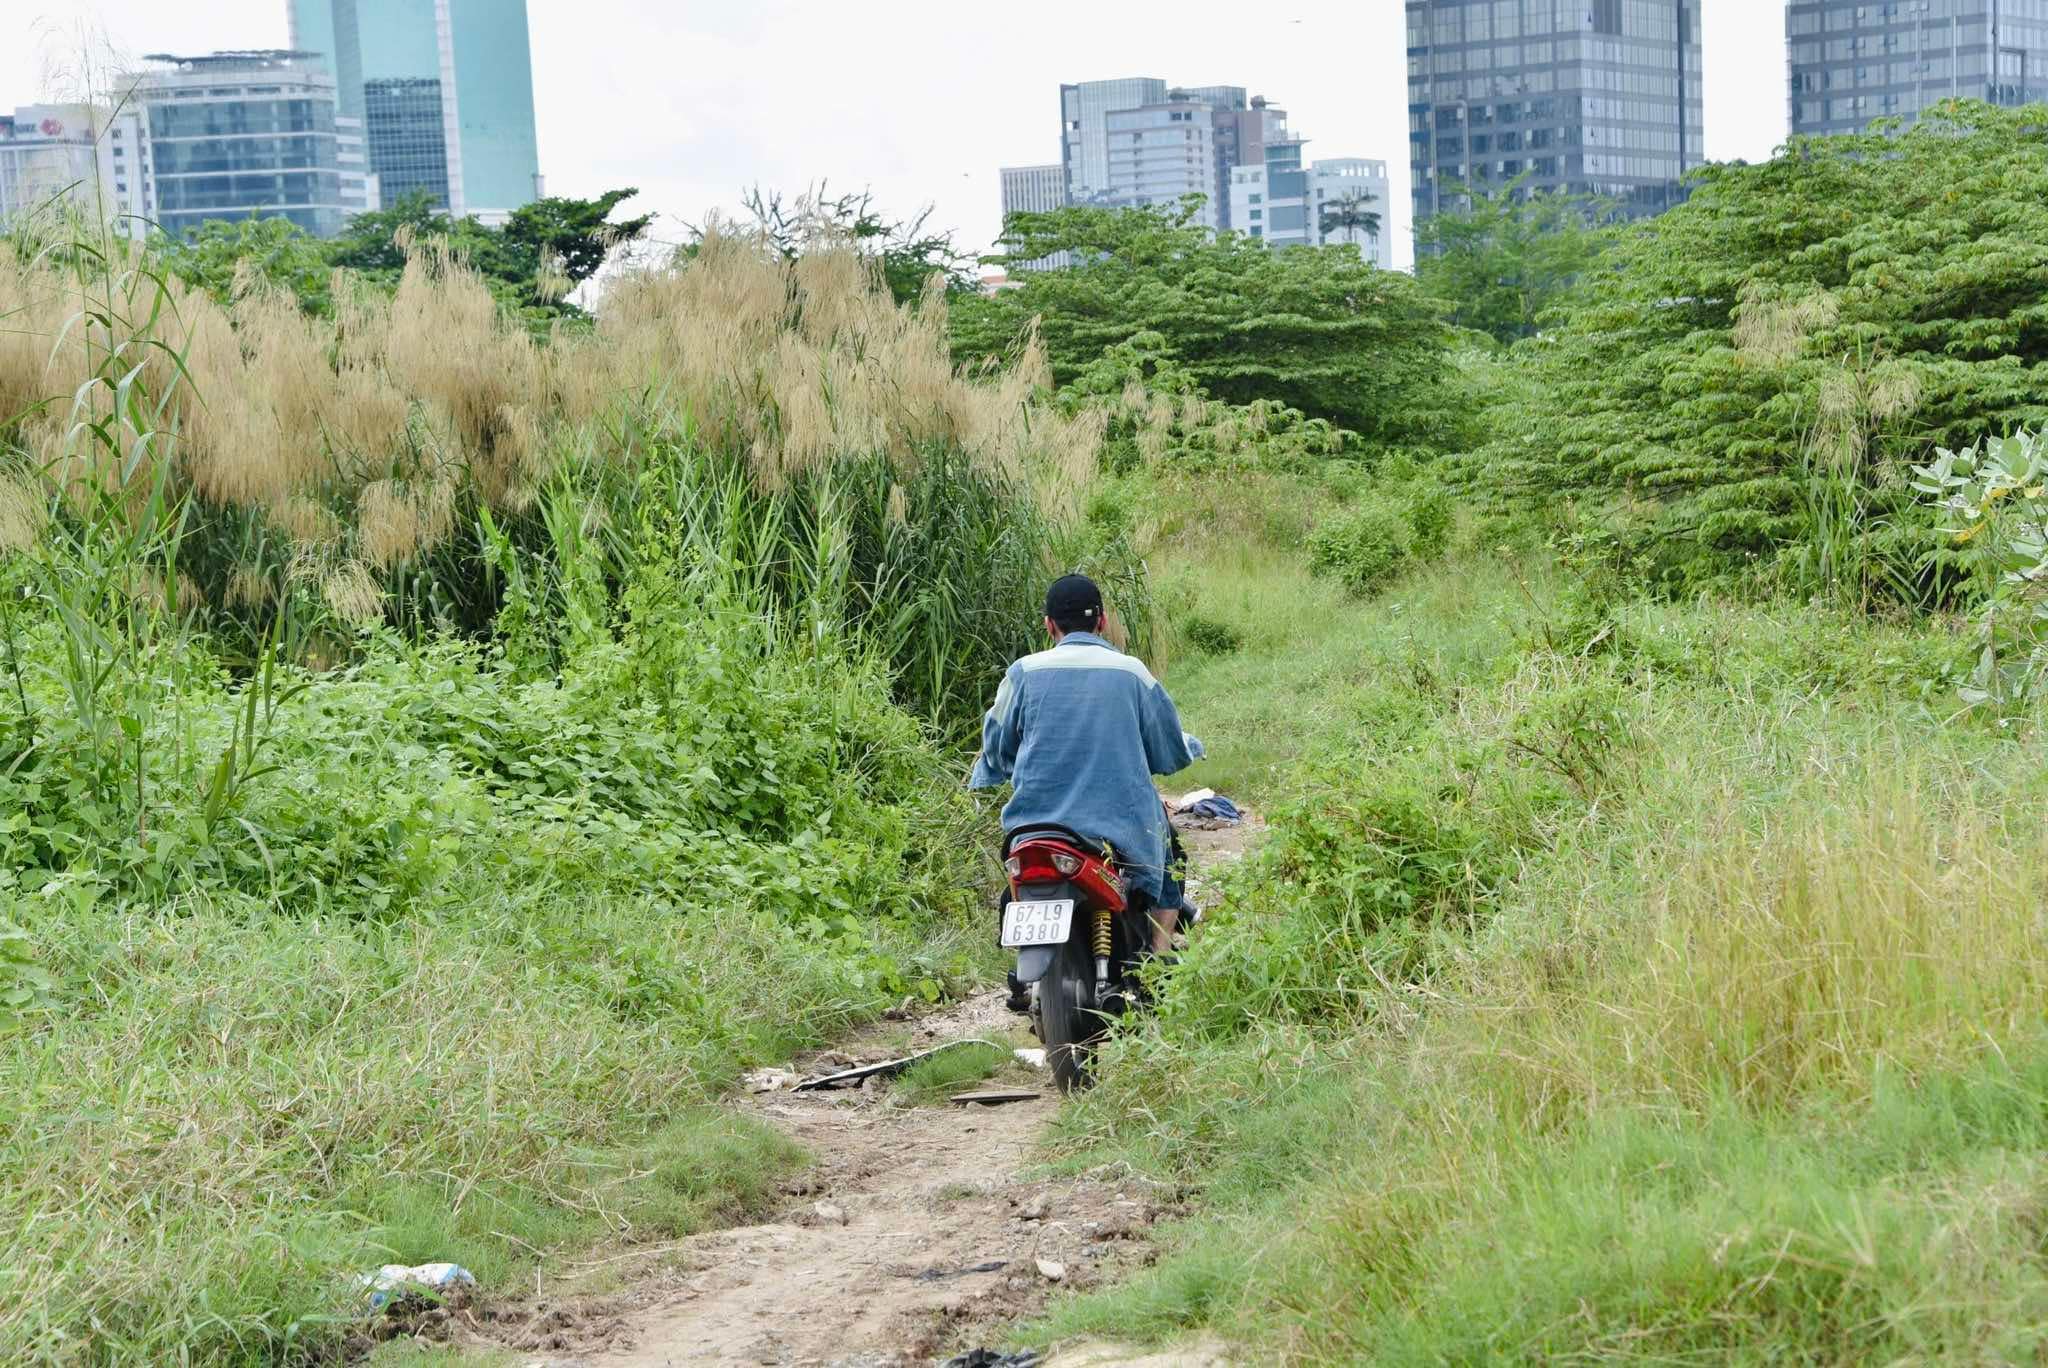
919,1231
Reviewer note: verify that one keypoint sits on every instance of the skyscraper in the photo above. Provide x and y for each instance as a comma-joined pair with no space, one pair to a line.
1588,96
1160,153
239,135
1036,190
1084,123
445,88
1853,61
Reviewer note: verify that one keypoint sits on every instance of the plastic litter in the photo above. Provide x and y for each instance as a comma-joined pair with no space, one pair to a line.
770,1080
395,1282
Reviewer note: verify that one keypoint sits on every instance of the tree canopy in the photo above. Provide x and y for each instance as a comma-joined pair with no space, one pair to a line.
541,252
907,252
1317,329
1812,323
1505,257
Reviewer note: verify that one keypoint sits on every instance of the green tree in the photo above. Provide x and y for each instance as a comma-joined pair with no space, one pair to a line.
269,251
1508,256
907,252
1748,378
569,238
374,244
542,251
1316,329
1350,218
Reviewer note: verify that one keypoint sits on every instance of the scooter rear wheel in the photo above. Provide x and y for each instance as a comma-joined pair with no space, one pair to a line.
1069,1022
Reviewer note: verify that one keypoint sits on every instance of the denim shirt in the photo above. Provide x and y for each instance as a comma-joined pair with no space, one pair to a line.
1079,731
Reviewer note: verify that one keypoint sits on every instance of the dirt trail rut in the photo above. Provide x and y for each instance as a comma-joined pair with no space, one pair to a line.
920,1231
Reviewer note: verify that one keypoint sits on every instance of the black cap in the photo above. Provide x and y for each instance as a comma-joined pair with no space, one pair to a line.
1074,604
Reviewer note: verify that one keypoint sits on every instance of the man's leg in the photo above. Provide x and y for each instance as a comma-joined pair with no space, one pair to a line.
1164,918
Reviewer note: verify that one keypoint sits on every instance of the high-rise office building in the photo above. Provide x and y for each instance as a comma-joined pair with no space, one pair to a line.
1084,123
407,138
411,67
1033,189
1160,153
1588,96
1139,142
238,135
1036,190
1853,61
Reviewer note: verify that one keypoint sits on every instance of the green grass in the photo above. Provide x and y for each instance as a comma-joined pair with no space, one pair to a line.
1313,656
247,1112
1622,981
457,979
938,1078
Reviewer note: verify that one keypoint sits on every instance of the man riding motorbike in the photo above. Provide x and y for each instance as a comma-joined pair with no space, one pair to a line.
1078,731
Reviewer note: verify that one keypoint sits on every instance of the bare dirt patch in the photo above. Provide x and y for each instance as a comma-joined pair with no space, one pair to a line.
918,1232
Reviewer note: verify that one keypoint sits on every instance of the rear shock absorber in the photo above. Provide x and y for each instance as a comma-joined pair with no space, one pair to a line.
1103,944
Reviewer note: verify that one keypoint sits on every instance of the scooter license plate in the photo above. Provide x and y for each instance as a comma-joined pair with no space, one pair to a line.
1037,923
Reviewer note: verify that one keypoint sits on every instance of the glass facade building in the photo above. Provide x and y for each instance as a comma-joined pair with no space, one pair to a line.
1853,61
239,135
478,57
1085,108
1587,96
407,143
1161,153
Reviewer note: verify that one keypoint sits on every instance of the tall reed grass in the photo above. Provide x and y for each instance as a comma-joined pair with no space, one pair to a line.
353,462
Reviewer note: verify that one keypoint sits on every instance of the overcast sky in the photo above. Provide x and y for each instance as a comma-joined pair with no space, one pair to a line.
920,101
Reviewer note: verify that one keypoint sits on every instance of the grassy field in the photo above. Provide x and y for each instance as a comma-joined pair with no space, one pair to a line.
463,986
1622,980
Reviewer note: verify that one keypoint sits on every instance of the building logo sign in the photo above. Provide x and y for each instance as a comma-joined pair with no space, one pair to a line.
53,128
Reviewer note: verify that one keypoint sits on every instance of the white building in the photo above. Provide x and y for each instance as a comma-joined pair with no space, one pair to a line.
1033,189
1284,204
64,152
1160,153
1036,190
240,135
1084,129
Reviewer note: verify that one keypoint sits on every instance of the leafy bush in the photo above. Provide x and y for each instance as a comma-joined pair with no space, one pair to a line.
1209,636
23,983
1361,549
1995,496
1429,511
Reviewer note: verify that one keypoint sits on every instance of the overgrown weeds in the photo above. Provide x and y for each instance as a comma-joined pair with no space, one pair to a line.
336,938
1663,981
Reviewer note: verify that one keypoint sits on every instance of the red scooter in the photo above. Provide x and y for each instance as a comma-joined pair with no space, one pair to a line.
1078,943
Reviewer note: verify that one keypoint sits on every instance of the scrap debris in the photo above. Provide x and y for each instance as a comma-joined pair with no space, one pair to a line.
990,1358
940,1274
994,1096
847,1078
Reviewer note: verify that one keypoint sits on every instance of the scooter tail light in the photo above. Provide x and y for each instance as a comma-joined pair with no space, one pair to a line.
1014,866
1066,864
